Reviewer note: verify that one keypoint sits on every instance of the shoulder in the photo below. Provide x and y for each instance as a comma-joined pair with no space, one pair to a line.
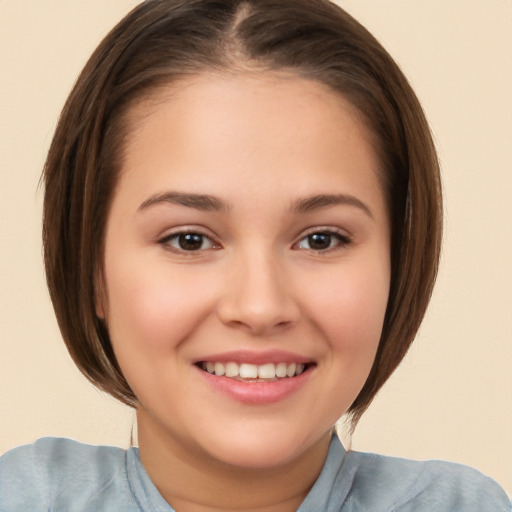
396,484
61,474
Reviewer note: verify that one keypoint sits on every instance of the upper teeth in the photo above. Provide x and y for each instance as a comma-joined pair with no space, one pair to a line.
253,371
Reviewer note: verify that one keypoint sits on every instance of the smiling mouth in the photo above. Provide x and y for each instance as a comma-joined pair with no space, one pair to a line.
268,372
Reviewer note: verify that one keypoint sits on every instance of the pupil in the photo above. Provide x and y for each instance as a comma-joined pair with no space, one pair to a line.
190,241
319,241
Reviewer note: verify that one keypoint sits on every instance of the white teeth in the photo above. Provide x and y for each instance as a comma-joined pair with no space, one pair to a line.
267,371
281,369
219,369
232,370
248,371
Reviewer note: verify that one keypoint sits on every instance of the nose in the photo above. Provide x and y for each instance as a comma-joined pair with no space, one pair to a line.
258,296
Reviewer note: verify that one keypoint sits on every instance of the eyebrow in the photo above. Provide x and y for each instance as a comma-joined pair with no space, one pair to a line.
202,202
205,202
319,201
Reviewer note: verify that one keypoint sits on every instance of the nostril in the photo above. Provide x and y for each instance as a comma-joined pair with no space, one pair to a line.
256,298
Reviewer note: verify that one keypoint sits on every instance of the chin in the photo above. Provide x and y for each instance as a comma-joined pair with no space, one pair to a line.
258,448
259,457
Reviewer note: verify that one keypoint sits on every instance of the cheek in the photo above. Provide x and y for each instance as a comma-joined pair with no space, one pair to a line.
351,309
152,307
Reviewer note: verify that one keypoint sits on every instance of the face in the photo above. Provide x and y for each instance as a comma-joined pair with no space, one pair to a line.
246,267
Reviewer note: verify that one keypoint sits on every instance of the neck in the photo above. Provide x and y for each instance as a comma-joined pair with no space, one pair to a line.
194,482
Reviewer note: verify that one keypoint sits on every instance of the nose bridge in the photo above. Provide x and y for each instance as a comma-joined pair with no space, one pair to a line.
258,295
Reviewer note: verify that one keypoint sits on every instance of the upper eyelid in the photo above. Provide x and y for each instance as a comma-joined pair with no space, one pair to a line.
343,240
324,229
202,231
198,230
165,242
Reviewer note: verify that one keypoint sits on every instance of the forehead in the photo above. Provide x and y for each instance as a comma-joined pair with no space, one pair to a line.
250,101
214,131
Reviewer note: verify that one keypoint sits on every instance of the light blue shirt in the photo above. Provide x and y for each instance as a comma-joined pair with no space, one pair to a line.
61,475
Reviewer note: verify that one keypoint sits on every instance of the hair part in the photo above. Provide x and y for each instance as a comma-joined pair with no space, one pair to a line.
162,42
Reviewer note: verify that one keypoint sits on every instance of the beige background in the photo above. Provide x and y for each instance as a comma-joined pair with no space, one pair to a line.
452,397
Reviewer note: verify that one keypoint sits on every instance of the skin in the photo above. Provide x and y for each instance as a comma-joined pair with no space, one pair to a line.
261,145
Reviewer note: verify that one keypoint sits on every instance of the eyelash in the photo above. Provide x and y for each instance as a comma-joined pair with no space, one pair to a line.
168,239
341,239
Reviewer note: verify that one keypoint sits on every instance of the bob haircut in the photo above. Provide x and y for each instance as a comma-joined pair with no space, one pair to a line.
162,42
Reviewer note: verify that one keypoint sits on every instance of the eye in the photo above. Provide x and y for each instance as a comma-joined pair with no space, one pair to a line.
188,242
323,241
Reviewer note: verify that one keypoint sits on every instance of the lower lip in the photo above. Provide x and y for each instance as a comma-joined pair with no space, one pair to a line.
257,393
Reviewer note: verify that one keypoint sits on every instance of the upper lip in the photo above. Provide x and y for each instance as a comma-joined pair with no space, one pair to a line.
256,357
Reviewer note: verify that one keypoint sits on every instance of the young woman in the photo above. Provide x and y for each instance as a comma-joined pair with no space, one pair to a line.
242,225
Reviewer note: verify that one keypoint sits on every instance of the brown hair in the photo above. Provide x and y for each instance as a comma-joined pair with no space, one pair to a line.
163,41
